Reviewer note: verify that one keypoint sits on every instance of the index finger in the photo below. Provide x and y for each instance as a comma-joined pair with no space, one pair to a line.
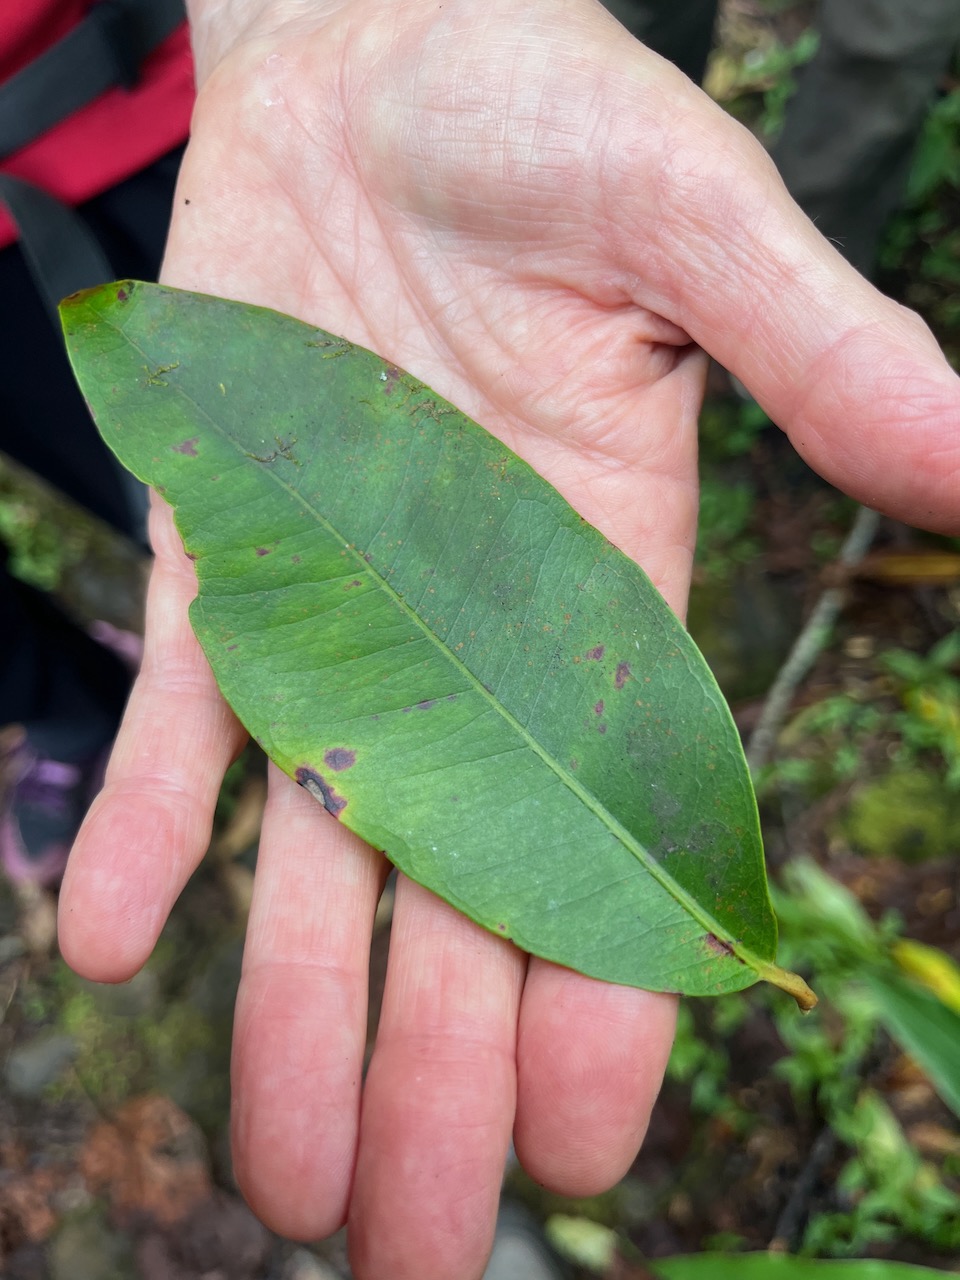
151,823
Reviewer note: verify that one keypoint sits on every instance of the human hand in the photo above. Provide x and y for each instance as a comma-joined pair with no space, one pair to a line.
540,219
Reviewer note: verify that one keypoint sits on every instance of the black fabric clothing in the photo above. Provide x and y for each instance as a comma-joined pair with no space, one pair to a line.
44,422
54,678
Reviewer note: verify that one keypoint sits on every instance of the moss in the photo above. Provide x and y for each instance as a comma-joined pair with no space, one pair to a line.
134,1038
909,814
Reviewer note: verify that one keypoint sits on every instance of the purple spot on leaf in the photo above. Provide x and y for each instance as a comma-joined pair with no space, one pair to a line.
231,647
339,758
601,728
622,675
390,377
598,709
321,790
187,447
294,559
122,295
426,704
263,551
597,653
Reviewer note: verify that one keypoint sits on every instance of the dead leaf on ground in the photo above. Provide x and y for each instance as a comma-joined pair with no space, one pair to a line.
27,1215
931,1139
150,1161
928,567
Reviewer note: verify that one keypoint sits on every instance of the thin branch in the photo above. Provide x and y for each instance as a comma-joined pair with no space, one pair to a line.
788,1231
808,645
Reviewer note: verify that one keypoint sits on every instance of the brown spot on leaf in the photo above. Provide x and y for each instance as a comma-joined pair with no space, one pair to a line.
622,675
187,447
718,946
321,790
596,653
340,758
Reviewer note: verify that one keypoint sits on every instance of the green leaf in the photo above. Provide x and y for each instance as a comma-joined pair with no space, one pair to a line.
926,1028
775,1266
420,631
586,1243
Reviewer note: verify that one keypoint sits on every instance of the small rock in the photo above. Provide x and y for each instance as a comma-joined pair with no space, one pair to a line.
221,1238
11,948
520,1250
38,1063
303,1265
86,1249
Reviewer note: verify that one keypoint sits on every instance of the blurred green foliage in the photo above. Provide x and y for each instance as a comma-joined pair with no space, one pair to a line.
899,733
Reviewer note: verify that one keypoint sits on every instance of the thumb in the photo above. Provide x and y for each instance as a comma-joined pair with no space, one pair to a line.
857,381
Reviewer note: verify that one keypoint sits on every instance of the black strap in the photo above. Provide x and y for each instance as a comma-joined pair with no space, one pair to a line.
60,250
105,49
63,256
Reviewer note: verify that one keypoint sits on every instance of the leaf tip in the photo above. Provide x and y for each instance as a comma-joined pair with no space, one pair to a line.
88,305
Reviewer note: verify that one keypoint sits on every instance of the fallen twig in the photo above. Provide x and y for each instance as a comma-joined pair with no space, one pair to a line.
789,1228
811,640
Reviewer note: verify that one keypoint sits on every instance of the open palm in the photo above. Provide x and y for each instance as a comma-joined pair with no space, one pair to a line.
547,224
